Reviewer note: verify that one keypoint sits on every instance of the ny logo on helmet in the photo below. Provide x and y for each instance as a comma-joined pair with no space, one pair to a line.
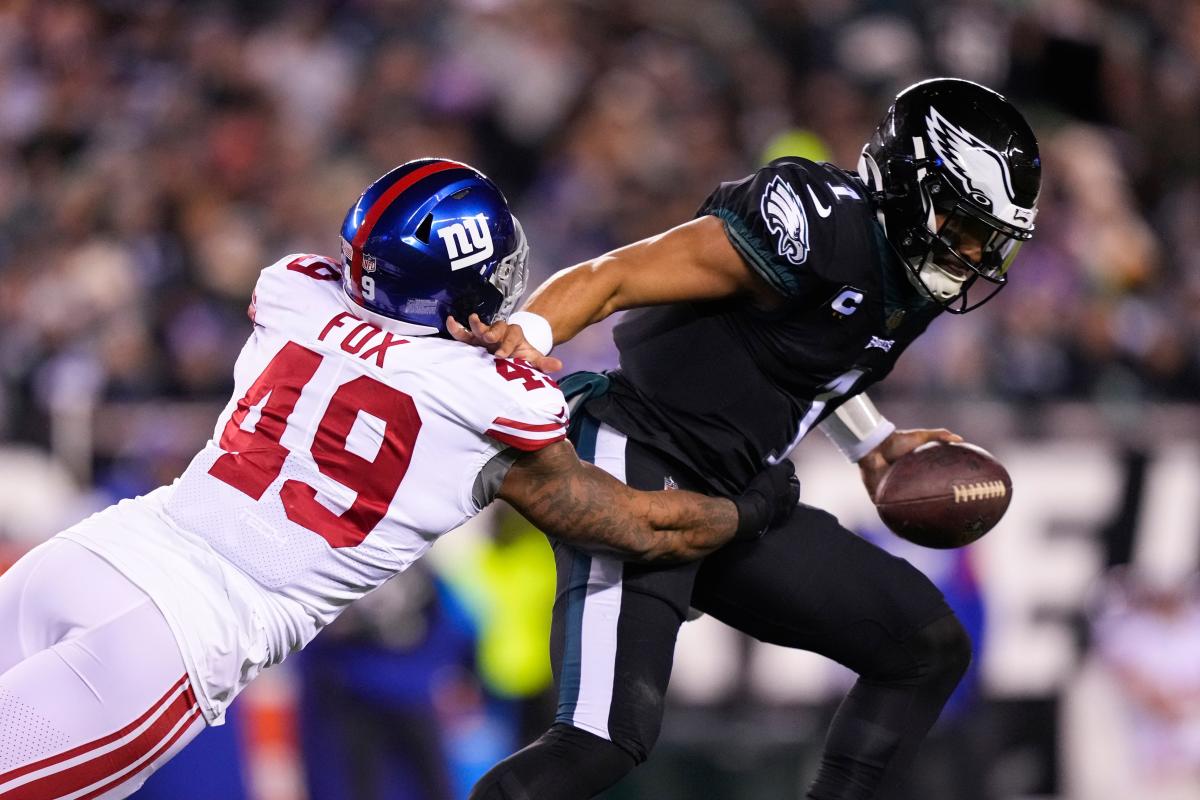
468,242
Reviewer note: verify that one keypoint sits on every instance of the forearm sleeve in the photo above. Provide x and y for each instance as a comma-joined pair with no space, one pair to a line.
857,427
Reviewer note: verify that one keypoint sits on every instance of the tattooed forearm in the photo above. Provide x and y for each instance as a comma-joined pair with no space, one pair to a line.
581,504
590,508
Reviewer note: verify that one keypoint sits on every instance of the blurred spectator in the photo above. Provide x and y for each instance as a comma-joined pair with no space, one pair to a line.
384,690
1136,708
507,580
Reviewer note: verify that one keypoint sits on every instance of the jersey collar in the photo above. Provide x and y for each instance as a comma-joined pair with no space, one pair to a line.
900,297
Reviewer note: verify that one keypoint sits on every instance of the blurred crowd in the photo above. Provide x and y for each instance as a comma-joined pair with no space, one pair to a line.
156,154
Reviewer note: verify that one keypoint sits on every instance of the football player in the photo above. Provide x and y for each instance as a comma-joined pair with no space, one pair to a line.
792,291
358,433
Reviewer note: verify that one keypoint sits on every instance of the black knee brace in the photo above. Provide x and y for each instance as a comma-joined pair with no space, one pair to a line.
941,653
565,763
883,719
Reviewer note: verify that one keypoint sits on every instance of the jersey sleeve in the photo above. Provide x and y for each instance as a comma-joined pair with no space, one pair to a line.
514,409
280,289
531,412
778,221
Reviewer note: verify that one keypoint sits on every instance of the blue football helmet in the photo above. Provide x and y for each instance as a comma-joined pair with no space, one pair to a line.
431,239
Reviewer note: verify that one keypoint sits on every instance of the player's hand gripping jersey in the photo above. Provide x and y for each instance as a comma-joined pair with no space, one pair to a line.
345,452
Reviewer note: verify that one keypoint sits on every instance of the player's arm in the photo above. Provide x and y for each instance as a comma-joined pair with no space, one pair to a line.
579,503
692,261
869,439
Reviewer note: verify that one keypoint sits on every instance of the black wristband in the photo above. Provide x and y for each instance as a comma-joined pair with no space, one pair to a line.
770,498
754,515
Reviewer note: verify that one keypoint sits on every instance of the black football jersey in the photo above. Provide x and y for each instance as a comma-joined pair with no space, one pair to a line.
726,387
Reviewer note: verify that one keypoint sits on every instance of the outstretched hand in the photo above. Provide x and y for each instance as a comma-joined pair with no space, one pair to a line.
503,340
875,464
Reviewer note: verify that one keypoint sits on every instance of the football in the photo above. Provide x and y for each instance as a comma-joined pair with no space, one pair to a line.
944,495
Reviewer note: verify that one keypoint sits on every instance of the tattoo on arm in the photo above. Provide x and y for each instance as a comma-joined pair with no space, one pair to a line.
585,506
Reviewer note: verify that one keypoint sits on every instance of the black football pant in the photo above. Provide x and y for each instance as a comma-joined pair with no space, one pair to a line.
809,584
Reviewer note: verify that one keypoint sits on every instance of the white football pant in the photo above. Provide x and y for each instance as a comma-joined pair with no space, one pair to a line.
93,692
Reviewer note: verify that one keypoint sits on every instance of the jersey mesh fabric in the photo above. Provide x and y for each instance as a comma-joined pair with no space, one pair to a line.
259,555
33,733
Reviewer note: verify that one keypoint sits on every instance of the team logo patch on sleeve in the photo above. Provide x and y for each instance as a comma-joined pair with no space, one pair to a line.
784,214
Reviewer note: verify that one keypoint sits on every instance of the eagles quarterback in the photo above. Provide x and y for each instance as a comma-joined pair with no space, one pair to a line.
791,292
358,433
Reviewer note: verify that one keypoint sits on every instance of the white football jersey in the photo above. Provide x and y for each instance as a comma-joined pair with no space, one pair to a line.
345,452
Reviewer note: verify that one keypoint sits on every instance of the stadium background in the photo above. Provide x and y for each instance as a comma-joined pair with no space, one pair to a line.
155,154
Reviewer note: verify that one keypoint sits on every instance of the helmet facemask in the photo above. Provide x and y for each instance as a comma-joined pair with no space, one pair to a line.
959,256
511,275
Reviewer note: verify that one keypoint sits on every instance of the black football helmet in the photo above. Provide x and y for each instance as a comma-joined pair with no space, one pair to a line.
954,171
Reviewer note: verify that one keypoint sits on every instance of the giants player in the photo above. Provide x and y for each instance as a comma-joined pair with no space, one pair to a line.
357,435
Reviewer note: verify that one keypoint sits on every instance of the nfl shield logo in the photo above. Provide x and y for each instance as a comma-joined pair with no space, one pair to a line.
368,263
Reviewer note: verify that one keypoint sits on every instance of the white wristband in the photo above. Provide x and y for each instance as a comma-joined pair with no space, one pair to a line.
536,329
857,427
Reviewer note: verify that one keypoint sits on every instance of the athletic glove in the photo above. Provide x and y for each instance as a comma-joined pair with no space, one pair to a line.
768,499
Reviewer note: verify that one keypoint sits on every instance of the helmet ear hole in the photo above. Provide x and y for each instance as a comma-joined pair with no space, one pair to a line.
425,228
942,199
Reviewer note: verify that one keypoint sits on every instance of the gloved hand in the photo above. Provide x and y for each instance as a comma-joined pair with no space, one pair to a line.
768,499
